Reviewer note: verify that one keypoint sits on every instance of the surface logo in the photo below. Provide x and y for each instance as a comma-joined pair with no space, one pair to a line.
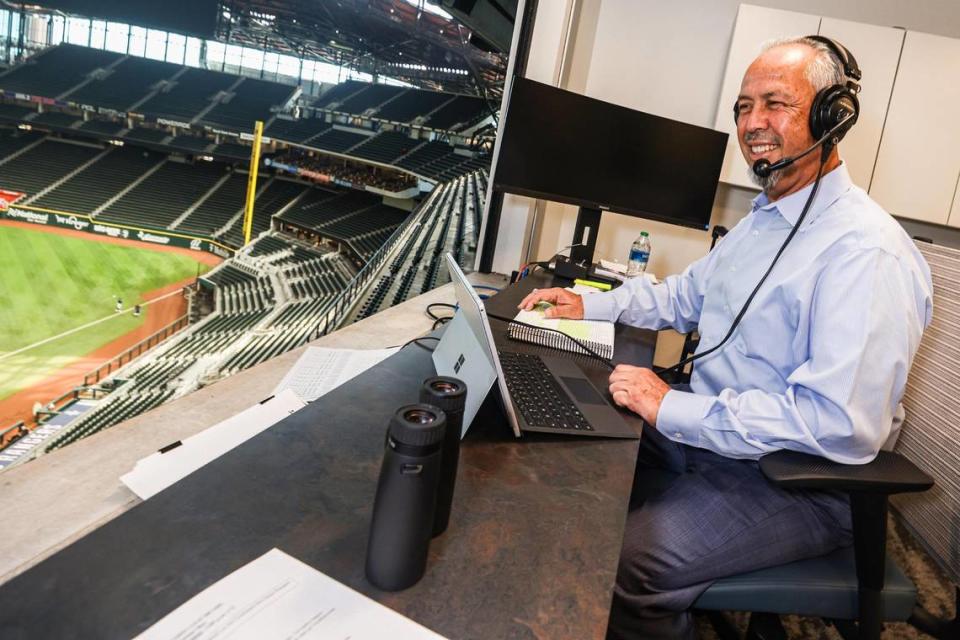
459,363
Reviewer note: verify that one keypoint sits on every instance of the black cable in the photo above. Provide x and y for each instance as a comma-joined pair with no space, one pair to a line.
445,305
827,148
416,341
439,320
589,352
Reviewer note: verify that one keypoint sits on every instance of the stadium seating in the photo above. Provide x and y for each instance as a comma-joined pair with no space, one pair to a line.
377,219
338,140
187,95
371,97
190,144
233,151
321,208
54,71
164,195
102,180
102,127
424,155
339,92
251,101
277,194
56,120
14,112
13,141
299,131
385,147
39,167
459,114
124,84
448,223
150,136
108,414
219,207
412,104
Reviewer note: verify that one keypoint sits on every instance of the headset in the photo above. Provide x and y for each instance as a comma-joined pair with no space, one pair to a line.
833,111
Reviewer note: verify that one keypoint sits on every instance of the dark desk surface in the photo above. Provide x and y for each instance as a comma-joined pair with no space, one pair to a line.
531,551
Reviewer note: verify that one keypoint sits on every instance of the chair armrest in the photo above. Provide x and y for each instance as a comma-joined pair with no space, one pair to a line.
888,473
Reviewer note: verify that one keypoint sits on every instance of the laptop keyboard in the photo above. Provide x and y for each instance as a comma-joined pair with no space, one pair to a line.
538,396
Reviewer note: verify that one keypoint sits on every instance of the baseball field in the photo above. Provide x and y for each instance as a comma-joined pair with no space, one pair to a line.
58,301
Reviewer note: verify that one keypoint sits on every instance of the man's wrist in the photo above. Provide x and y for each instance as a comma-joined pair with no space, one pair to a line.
599,306
681,414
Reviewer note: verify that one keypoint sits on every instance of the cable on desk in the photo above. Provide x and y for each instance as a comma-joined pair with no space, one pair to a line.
439,320
589,351
416,341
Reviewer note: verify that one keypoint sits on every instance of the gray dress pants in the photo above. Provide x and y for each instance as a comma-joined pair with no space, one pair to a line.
697,516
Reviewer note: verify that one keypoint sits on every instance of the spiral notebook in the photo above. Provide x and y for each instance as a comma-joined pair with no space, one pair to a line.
595,334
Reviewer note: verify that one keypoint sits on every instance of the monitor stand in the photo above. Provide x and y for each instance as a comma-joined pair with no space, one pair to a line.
584,243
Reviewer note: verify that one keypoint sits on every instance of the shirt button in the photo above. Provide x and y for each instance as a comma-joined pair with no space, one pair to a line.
678,435
755,233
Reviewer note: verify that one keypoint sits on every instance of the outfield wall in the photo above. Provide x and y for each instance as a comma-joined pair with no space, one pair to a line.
79,222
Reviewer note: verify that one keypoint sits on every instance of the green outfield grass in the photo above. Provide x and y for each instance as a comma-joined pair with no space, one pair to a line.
53,283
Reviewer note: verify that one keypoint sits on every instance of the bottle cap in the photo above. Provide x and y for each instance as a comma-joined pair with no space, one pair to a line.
644,233
444,392
418,425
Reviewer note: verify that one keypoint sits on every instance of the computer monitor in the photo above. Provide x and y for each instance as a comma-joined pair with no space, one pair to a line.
565,147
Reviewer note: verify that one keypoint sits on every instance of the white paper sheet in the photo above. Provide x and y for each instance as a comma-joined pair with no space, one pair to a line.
156,472
278,597
320,370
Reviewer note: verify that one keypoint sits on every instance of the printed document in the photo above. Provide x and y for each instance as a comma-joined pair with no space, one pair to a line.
320,370
278,597
156,472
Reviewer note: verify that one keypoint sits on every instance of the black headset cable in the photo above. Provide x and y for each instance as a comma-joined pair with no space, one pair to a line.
827,148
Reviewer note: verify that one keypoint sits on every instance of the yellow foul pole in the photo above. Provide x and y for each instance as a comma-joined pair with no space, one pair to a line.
252,182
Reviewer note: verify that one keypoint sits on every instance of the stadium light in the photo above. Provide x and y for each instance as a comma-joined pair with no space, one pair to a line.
116,143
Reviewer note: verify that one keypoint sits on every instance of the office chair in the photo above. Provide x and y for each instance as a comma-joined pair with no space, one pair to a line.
858,588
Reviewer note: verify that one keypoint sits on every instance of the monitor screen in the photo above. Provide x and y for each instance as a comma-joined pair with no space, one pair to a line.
569,148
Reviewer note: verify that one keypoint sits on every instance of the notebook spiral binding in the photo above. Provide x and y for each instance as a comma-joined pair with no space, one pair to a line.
556,340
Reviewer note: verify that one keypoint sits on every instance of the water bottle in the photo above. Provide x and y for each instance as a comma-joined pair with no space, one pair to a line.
450,395
403,510
639,255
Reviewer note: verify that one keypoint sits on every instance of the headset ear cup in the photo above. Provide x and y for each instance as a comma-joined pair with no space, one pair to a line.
829,107
736,112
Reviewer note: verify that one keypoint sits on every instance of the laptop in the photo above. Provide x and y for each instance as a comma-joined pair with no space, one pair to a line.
547,394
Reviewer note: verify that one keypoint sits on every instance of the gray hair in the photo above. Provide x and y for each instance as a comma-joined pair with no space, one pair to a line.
824,70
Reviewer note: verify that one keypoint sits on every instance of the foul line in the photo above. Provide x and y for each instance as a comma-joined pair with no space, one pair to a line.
86,326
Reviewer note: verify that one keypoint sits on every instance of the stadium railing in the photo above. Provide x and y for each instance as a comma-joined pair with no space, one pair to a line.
135,351
18,429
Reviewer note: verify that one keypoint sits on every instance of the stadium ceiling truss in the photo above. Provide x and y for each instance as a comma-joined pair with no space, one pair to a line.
381,37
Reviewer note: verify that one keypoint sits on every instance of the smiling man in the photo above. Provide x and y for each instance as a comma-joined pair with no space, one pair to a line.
818,362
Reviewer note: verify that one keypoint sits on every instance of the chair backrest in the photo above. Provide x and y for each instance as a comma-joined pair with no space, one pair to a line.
930,436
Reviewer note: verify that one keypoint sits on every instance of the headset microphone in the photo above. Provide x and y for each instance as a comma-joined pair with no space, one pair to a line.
764,168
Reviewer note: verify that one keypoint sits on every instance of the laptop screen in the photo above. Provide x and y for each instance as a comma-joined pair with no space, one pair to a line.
470,331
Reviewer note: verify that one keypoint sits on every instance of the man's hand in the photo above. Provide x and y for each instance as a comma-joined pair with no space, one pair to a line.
639,390
566,304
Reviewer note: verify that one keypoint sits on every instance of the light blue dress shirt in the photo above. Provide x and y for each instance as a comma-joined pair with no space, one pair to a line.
820,360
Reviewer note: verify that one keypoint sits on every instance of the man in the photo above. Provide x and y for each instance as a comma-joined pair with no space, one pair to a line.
818,363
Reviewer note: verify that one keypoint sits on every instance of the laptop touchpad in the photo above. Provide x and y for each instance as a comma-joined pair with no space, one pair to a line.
582,390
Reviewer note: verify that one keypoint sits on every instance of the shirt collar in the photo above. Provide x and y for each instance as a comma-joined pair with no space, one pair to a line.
832,186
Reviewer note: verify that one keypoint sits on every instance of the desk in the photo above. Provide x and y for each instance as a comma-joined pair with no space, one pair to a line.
531,550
